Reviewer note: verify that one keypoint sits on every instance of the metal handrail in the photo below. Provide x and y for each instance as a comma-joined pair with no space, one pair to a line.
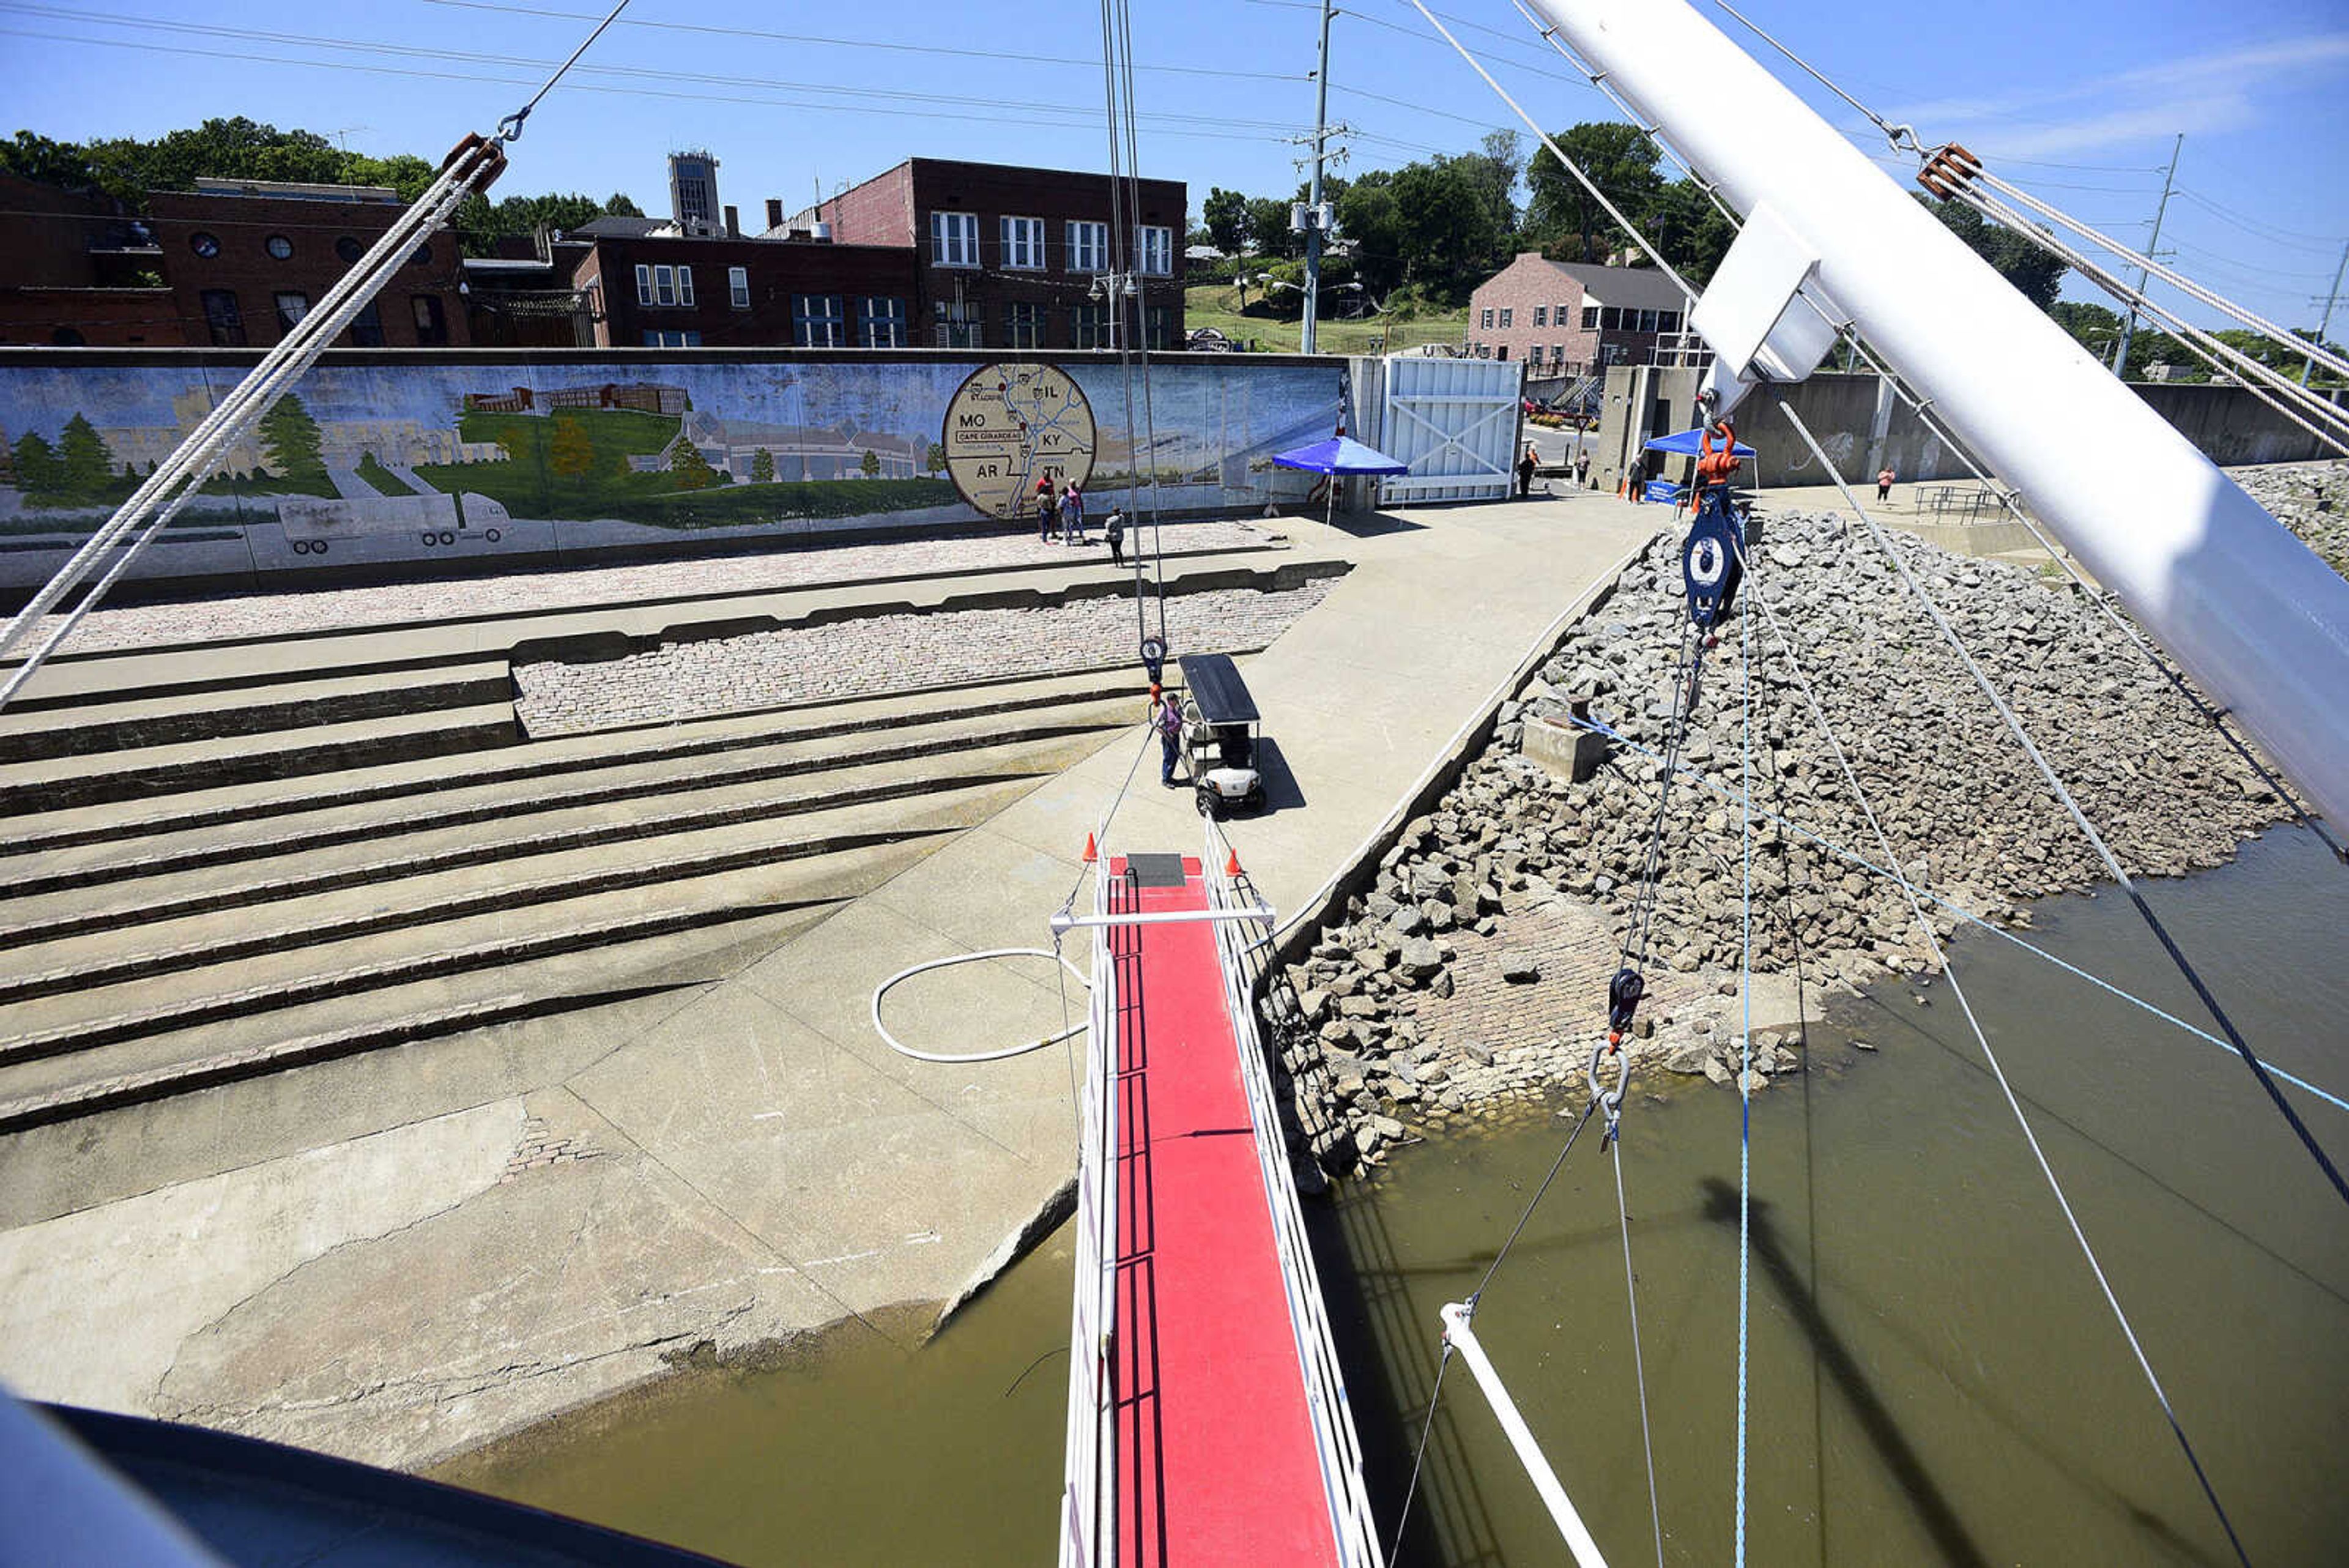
1336,1445
1088,1495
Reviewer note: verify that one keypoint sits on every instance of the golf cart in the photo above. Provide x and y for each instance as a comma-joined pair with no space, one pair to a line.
1219,732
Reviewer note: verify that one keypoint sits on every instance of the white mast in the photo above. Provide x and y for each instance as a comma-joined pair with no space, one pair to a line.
2246,609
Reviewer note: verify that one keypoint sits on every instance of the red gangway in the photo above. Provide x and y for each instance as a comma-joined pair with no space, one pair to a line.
1208,1421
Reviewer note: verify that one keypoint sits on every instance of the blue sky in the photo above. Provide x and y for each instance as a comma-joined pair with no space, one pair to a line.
2079,101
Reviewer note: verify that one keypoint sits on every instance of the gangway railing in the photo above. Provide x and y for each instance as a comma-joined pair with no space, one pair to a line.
1088,1499
1245,946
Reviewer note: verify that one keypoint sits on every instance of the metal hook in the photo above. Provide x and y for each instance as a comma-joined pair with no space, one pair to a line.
1610,1101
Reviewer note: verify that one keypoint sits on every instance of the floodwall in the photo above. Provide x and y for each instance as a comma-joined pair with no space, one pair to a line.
418,464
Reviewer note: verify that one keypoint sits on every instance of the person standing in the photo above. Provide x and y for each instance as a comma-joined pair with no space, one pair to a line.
1045,509
1884,483
1073,515
1168,716
1525,466
1114,531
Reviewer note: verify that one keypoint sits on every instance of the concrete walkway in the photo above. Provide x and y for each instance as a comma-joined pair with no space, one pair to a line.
483,1231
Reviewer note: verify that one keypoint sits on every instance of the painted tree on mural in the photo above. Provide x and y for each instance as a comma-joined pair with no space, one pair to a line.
88,469
935,459
569,452
762,467
691,468
290,444
39,471
871,466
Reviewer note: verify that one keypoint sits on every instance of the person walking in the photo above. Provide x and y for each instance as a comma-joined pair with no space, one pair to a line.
1046,511
1073,515
1114,532
1168,717
1525,466
1884,483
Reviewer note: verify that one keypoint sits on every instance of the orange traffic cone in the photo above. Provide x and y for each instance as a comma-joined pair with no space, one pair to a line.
1091,854
1232,866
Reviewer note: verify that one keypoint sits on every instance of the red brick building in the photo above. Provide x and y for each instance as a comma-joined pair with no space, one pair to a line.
77,268
1009,257
658,290
1567,317
247,259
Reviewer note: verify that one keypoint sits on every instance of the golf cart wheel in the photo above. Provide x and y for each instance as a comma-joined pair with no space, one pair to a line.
1255,801
1209,805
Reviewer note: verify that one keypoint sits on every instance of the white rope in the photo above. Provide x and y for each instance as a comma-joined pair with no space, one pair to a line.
2171,275
1639,1361
1998,1071
2079,817
954,1058
200,456
228,419
2262,380
1570,166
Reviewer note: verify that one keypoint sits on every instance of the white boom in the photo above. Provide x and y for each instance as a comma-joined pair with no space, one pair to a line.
2249,610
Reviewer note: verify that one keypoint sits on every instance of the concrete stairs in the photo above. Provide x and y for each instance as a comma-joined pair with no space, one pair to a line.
198,886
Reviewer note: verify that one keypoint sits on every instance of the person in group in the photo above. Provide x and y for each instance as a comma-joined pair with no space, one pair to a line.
1114,532
1525,466
1072,515
1884,483
1582,468
1167,715
1046,511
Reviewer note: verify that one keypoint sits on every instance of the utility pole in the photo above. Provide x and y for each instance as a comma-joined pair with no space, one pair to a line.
2331,298
2128,328
1314,201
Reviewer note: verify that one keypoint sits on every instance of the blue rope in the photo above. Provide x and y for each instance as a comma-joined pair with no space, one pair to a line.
1854,857
1744,1053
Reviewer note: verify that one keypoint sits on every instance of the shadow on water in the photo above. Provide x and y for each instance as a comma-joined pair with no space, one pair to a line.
1934,1510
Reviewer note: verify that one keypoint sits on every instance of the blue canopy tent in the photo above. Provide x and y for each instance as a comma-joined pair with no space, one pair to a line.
1337,457
1686,443
1683,443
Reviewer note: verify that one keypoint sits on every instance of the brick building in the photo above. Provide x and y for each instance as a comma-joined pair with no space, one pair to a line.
247,259
1009,257
1568,317
77,268
659,290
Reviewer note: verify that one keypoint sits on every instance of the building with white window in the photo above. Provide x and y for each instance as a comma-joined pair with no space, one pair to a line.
1017,258
1570,318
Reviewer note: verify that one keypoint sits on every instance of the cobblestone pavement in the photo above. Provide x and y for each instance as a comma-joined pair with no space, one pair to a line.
277,614
883,654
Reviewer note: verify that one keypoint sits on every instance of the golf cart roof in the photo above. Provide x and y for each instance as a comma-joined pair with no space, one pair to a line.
1216,687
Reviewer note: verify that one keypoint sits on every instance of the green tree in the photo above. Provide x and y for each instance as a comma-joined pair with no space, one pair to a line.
1370,216
290,441
570,453
1564,216
1449,232
1227,215
2034,274
618,205
48,163
2092,327
88,467
692,470
1688,229
871,463
762,467
935,460
39,471
1268,228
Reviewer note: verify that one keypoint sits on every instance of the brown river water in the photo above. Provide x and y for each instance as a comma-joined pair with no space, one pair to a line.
1933,1376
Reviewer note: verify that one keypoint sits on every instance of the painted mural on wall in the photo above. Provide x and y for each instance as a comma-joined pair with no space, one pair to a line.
423,463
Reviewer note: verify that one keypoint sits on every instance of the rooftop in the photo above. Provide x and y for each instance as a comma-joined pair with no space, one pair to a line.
294,190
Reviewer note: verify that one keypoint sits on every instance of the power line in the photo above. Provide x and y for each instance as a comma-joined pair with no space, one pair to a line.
2289,238
1028,116
467,57
1025,59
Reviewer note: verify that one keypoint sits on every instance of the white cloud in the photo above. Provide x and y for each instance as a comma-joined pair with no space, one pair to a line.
2194,93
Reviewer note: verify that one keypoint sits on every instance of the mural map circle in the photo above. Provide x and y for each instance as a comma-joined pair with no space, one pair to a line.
1007,426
